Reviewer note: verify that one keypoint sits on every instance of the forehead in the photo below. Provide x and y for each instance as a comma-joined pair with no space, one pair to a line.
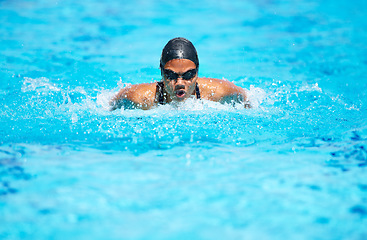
180,64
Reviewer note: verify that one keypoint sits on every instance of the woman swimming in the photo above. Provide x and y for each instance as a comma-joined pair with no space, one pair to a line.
179,69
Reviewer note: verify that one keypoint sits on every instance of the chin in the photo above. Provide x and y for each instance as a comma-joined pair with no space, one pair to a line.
177,99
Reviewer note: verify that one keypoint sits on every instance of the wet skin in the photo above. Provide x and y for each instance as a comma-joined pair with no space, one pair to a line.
144,96
179,89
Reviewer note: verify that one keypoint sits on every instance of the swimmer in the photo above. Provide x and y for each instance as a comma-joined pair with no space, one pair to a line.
179,69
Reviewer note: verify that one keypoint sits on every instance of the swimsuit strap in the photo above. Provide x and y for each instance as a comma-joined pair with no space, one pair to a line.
160,86
160,90
197,91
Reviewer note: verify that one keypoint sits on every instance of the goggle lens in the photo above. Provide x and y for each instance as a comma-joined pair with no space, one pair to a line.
171,75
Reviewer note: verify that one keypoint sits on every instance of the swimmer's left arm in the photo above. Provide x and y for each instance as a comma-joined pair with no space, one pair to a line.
229,93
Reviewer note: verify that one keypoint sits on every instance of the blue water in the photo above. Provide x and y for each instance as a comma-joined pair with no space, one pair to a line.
292,167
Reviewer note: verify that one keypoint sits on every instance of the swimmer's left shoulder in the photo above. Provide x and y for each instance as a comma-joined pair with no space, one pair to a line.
218,86
220,90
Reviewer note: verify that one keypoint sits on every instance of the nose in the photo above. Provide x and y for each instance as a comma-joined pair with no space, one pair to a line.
179,80
180,84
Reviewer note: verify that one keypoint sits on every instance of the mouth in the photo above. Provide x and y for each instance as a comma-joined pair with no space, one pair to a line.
180,93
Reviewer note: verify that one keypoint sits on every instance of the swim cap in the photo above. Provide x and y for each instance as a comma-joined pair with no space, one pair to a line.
179,48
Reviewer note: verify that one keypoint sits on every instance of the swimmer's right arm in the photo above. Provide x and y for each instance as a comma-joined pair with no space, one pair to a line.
133,97
127,98
118,99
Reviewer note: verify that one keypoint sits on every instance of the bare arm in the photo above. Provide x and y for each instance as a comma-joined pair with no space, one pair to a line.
233,93
117,100
224,91
139,96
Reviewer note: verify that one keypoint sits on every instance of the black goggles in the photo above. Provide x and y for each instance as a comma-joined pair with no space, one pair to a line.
171,75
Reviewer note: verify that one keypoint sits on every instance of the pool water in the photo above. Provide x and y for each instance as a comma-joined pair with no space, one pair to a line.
292,167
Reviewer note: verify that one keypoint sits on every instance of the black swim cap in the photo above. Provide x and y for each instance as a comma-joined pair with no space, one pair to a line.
179,48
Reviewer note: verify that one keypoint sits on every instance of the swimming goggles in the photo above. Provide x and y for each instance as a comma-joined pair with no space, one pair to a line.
171,75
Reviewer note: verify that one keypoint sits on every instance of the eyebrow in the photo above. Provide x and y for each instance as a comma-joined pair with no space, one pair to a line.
166,69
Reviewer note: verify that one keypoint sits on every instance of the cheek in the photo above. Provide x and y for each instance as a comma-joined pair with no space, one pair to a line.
169,85
192,85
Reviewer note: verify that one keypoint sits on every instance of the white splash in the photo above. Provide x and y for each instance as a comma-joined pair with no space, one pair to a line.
104,98
256,96
313,87
38,84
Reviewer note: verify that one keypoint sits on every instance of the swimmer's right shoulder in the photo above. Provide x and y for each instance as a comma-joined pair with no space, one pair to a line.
140,95
139,92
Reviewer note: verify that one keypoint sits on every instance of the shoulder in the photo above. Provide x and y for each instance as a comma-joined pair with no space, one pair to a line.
138,95
143,91
216,89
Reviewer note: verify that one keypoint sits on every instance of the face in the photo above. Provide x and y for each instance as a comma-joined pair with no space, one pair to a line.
179,76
